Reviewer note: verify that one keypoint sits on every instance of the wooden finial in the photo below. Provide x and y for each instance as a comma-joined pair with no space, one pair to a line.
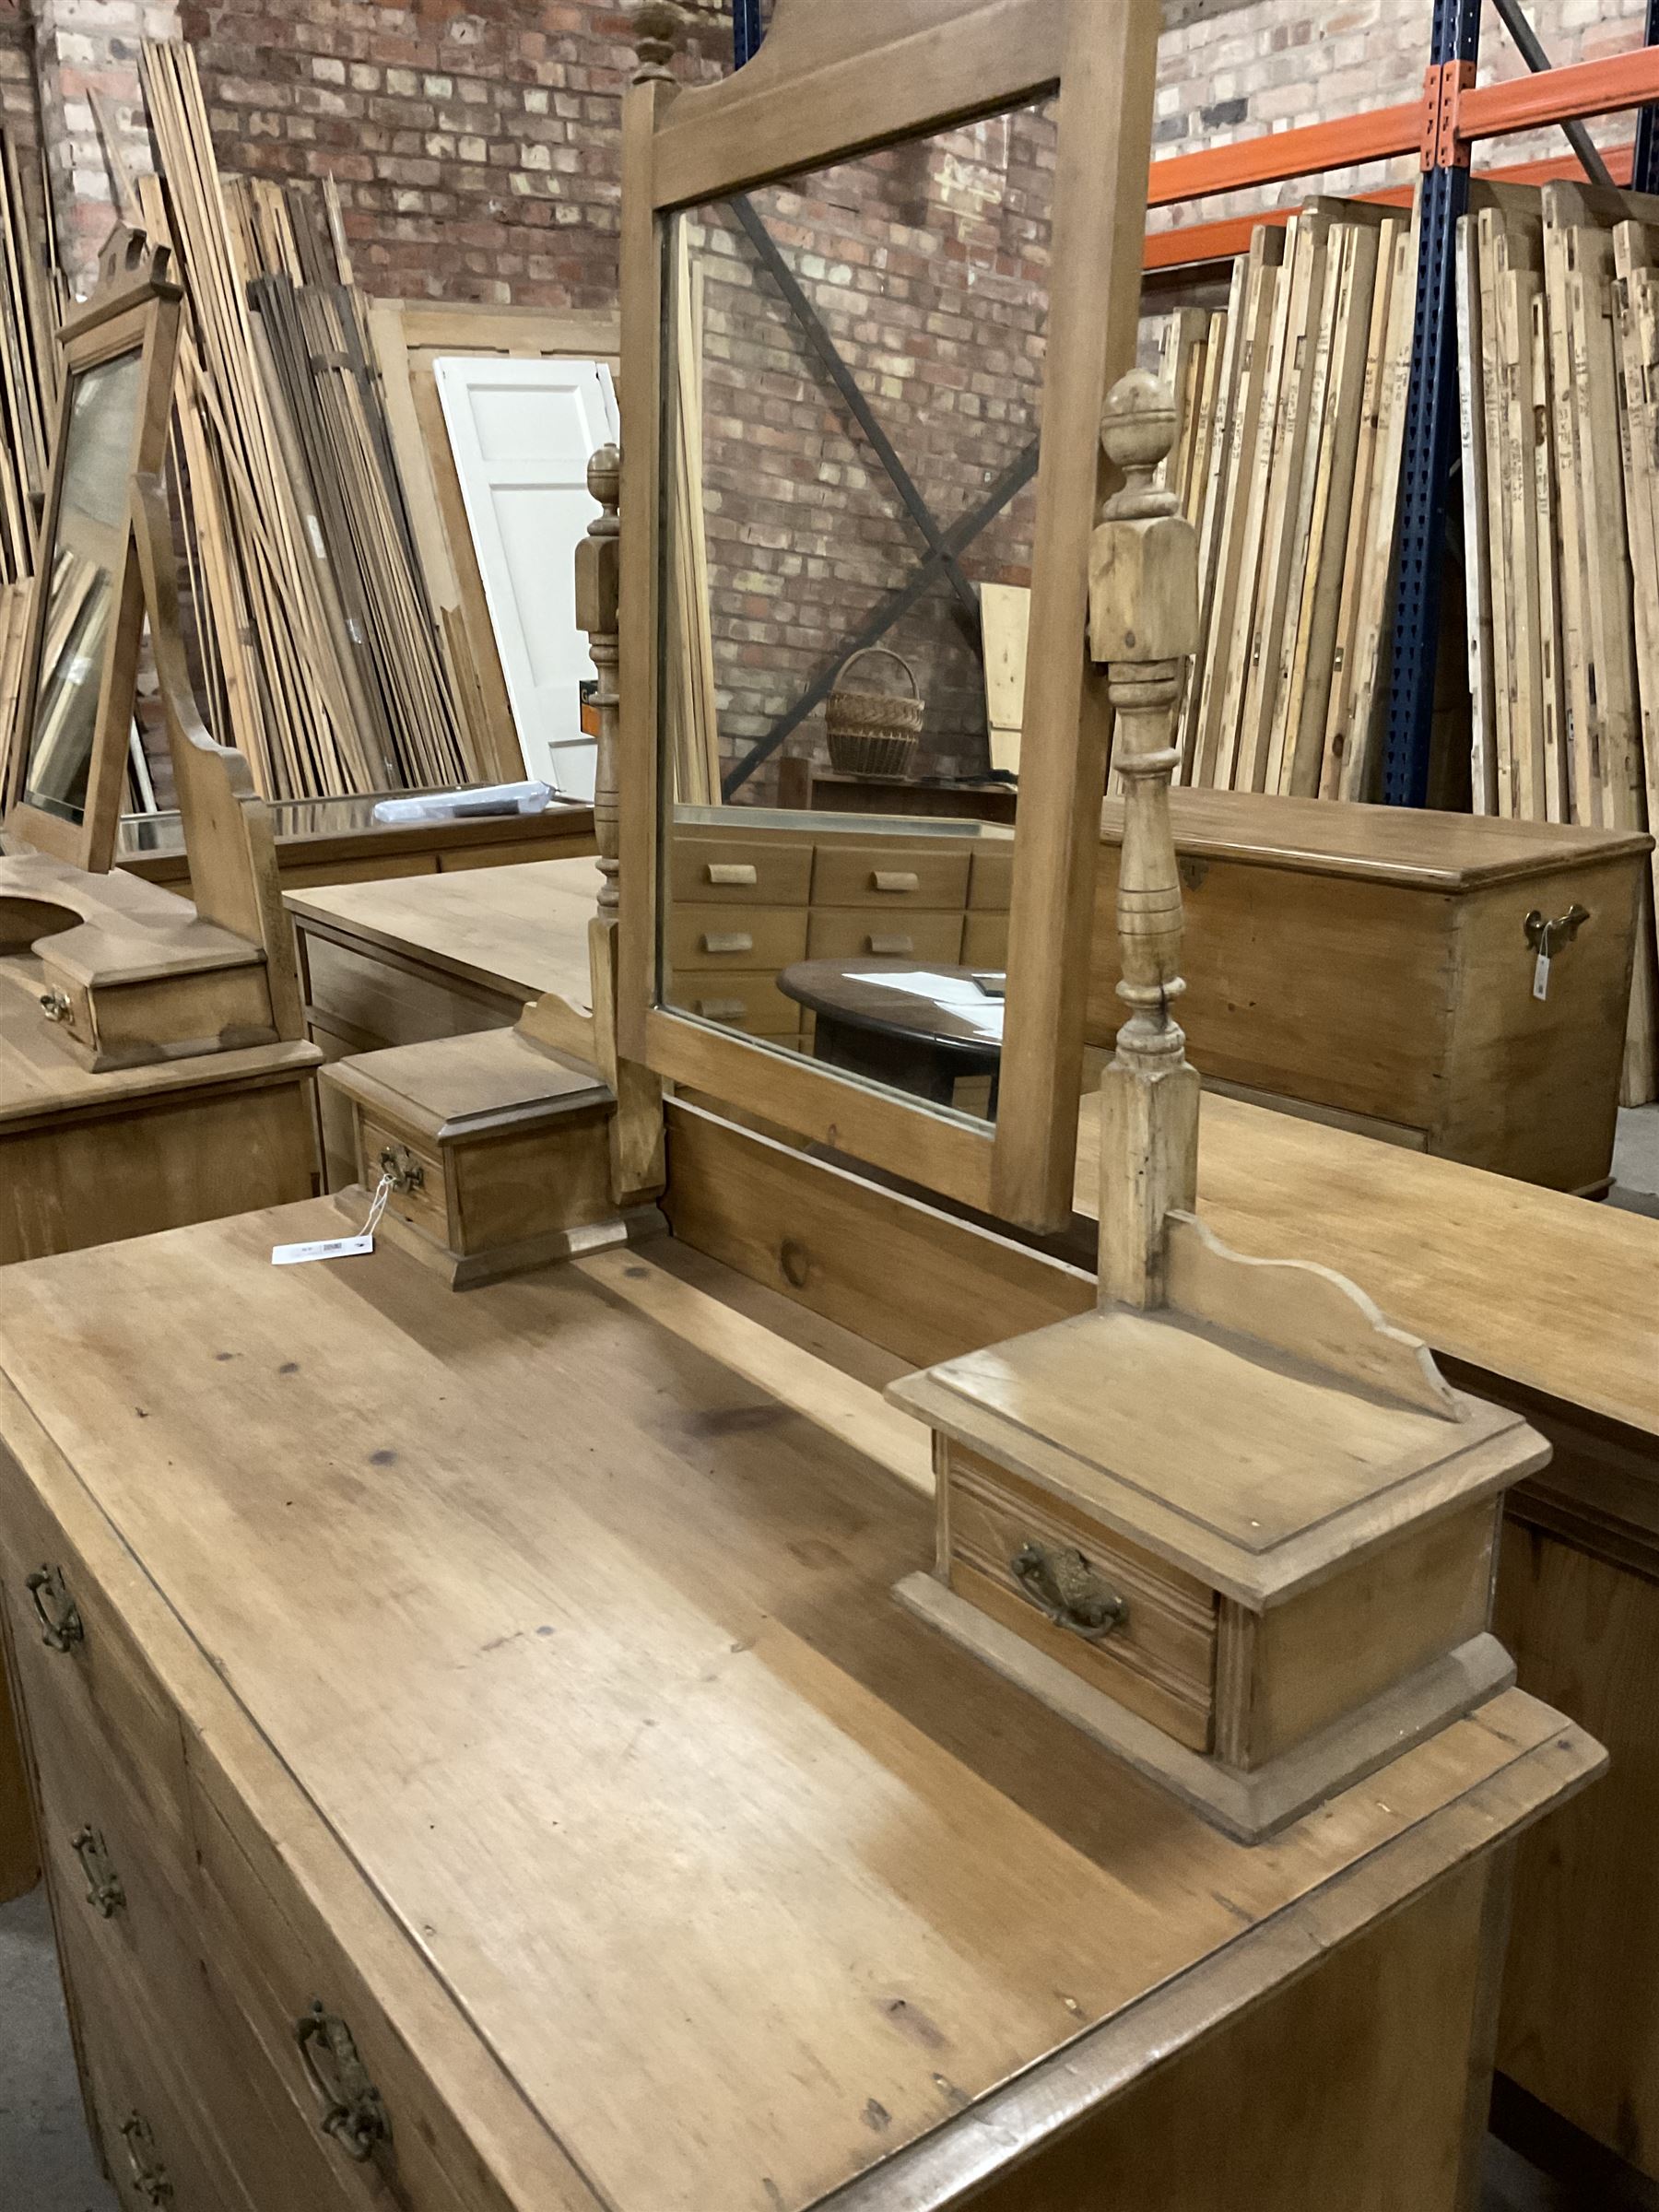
598,594
658,27
1143,624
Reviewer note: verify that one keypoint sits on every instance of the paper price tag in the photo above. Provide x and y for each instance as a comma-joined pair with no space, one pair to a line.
1541,977
329,1248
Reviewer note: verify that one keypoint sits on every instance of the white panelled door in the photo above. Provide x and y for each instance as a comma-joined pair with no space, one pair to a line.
521,432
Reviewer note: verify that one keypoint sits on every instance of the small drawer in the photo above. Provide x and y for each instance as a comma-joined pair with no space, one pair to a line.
87,1690
991,885
1159,1660
731,871
67,1006
277,1962
751,1002
424,1203
985,941
712,937
874,876
863,934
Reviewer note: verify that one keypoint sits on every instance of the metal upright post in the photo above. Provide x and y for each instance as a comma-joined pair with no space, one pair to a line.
746,32
1644,167
1430,413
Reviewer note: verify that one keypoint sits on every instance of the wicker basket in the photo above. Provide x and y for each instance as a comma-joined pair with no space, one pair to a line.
872,733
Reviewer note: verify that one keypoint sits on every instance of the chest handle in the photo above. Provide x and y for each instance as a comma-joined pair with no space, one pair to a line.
104,1891
149,2176
61,1627
1061,1583
349,2106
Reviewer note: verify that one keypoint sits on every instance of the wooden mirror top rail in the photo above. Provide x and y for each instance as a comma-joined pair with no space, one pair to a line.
829,84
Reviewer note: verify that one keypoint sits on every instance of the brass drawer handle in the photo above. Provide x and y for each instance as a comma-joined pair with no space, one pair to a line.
1061,1583
894,880
890,948
727,940
104,1891
349,2106
149,2176
731,871
55,1007
60,1619
400,1170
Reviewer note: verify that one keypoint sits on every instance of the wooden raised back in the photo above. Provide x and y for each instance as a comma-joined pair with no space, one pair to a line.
831,83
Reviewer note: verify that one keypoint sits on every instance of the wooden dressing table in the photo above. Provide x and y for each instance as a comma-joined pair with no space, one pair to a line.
482,1759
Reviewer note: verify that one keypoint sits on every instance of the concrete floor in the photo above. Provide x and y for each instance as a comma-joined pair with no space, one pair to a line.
47,2163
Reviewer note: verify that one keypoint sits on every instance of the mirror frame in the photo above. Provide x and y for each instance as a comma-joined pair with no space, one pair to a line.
829,84
135,309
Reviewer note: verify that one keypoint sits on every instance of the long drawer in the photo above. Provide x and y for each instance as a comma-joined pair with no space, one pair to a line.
89,1683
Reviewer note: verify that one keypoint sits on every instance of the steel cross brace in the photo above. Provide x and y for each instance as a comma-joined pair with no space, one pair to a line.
893,609
846,383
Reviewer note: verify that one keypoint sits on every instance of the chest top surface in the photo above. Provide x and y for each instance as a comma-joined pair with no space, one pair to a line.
577,1634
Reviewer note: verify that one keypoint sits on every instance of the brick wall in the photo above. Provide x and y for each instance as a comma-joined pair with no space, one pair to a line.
476,145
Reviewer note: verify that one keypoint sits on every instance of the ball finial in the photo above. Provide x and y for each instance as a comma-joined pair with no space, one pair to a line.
605,477
658,25
1138,425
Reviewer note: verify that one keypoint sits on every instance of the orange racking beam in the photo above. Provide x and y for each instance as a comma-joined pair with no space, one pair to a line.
1195,245
1276,156
1525,103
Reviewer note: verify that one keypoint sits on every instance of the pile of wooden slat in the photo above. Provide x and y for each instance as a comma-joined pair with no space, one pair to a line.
28,375
1292,416
317,644
1558,330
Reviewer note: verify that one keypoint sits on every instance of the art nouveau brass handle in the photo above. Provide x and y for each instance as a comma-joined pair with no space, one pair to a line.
54,1005
349,2105
60,1622
401,1169
1061,1583
104,1891
149,2176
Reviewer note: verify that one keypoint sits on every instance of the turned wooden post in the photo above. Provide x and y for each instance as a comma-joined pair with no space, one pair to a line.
598,592
1143,624
658,29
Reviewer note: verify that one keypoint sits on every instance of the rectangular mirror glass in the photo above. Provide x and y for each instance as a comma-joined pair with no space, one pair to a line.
84,561
853,373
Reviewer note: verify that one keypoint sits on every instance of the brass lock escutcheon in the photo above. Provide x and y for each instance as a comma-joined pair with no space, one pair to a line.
1061,1583
349,2106
105,1892
1547,938
400,1168
60,1619
149,2176
55,1007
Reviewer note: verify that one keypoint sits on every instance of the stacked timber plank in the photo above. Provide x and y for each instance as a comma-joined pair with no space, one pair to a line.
317,643
1292,418
28,375
1559,333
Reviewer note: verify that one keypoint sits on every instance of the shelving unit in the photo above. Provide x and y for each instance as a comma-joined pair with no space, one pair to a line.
1443,127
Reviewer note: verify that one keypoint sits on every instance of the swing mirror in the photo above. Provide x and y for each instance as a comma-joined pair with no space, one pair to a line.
80,660
867,409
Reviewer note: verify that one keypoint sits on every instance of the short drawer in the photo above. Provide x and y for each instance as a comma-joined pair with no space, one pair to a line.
156,2139
88,1687
713,937
876,875
731,871
1160,1658
863,934
985,940
991,885
751,1002
277,1962
422,1198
